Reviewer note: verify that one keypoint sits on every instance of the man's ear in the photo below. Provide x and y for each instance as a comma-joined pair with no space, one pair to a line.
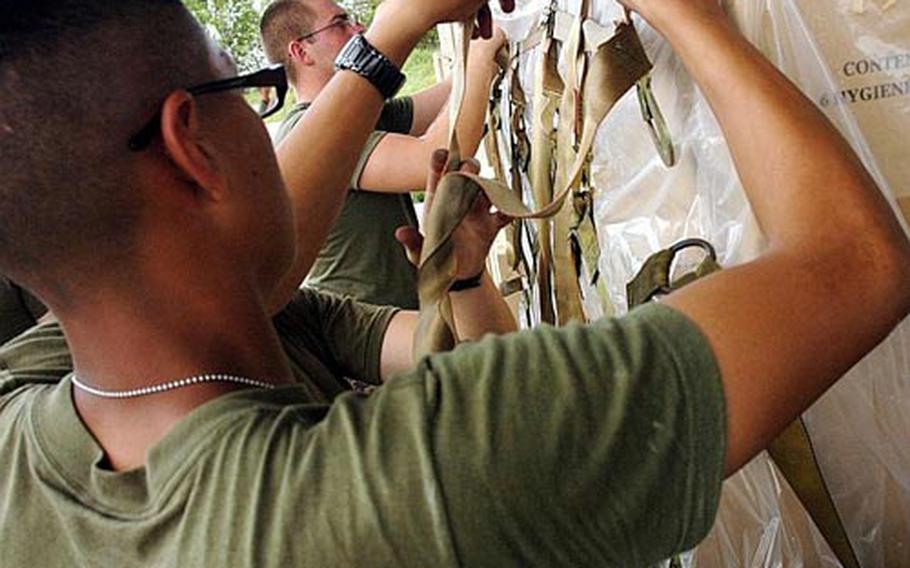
297,51
186,146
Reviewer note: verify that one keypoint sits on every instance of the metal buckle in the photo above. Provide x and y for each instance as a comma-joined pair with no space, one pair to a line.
677,248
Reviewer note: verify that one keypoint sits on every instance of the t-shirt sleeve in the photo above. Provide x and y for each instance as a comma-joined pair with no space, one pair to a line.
606,443
397,117
41,355
345,333
598,445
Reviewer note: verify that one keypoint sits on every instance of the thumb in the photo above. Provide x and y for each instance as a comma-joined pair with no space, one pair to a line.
412,241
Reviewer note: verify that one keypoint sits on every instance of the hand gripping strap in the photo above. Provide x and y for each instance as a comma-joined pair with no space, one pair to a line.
614,68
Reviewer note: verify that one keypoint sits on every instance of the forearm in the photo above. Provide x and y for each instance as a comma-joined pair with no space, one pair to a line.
318,168
481,310
427,106
480,73
802,179
832,285
478,311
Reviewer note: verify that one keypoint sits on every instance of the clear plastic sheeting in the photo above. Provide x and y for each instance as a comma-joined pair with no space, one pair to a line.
853,58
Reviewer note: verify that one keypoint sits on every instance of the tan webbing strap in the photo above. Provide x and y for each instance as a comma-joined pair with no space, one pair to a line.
494,118
904,204
792,451
653,279
586,248
794,455
457,190
616,63
514,274
548,89
567,291
521,150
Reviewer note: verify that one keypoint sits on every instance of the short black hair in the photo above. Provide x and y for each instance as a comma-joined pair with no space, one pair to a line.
77,79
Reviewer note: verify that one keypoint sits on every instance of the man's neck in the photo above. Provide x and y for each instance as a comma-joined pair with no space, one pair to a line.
125,343
307,89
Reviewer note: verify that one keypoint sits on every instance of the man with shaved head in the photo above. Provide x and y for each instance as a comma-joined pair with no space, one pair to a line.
160,233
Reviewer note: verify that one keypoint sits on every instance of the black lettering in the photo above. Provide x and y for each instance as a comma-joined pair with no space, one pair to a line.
850,68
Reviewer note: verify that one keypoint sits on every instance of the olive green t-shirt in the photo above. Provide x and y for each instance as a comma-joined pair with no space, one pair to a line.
19,310
330,341
361,257
598,445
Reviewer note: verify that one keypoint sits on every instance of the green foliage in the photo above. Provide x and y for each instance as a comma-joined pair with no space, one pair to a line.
235,24
365,9
420,71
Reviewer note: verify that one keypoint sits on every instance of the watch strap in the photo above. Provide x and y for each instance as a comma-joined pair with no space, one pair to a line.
368,62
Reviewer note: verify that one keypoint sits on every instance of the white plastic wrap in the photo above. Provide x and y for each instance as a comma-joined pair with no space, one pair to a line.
853,58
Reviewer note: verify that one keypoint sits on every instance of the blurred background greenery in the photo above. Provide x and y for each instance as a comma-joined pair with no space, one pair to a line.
235,24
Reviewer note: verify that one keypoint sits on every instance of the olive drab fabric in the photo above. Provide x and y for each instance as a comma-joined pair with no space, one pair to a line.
792,451
653,279
794,456
19,310
275,479
361,257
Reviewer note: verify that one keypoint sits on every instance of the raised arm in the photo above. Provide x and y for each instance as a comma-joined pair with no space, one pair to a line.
428,103
317,168
479,309
834,281
399,162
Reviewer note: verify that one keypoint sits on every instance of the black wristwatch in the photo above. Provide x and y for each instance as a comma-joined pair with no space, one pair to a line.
468,283
365,60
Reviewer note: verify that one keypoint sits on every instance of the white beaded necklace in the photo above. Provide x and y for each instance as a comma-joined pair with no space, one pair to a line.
170,385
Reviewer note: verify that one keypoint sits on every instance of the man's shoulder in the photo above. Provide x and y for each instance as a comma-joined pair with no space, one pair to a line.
40,355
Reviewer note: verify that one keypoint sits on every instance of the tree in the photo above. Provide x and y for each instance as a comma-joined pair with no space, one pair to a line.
235,24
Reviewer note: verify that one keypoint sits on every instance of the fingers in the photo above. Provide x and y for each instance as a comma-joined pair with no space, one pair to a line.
470,166
484,23
437,167
412,241
501,219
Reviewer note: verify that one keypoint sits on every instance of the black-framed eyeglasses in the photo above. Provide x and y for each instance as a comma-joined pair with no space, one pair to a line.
342,20
264,91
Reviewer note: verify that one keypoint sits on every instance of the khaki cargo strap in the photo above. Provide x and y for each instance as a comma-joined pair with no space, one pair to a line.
794,456
903,204
566,288
614,68
559,29
586,249
653,280
514,275
792,451
548,90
